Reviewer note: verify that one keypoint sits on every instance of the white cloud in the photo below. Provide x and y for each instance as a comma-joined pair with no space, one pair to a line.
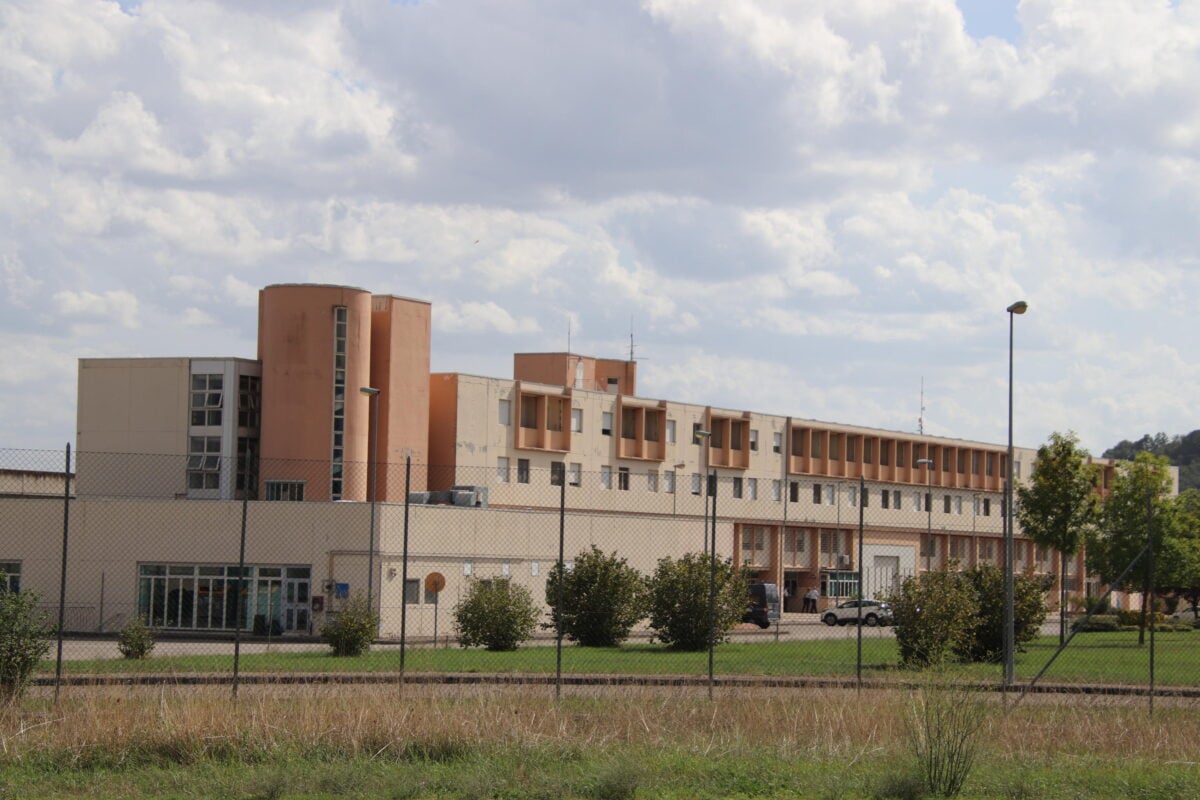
480,318
117,306
197,318
240,292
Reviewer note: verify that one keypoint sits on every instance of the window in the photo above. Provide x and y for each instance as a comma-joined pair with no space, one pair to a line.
249,397
946,500
412,591
885,499
835,446
831,549
991,464
1017,469
652,481
285,490
866,498
896,501
206,399
529,412
204,462
814,438
987,551
987,506
817,493
829,488
752,488
717,434
623,478
522,470
575,475
205,597
868,451
737,488
852,449
962,462
10,576
557,472
901,453
577,420
736,430
505,412
852,496
671,431
502,469
695,483
885,452
959,549
777,490
958,504
754,546
669,482
629,423
341,322
554,413
916,506
753,440
929,547
947,459
605,477
776,442
606,422
651,421
795,547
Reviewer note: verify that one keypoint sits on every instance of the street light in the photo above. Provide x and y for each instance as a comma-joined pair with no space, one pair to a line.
928,462
1019,307
373,399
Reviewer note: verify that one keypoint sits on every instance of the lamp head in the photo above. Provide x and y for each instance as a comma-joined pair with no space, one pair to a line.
369,391
921,461
1019,307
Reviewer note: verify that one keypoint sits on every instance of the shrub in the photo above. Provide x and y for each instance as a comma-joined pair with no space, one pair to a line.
1029,612
1133,618
1098,623
24,641
602,599
943,727
679,601
935,617
497,614
351,632
1100,605
135,640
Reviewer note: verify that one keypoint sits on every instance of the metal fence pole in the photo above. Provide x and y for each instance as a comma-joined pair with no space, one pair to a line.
712,587
404,568
861,592
62,581
241,590
558,616
1150,586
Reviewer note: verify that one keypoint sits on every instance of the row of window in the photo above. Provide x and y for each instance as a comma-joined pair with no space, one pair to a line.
825,494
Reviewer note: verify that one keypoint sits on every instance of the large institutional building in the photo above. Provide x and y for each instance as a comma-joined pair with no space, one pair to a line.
340,405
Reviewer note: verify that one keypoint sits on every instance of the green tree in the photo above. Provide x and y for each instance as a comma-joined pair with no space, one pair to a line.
497,614
24,641
679,601
602,599
1179,562
1058,504
1141,490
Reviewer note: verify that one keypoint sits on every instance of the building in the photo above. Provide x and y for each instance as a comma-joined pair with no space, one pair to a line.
340,408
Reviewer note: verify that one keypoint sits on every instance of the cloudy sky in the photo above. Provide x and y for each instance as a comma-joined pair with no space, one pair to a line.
801,208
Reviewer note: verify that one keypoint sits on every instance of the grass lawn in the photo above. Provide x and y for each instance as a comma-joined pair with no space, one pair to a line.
1110,658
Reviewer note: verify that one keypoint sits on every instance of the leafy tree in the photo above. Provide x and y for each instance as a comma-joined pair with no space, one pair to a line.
497,614
1029,612
679,601
1179,562
24,641
1142,487
935,616
1184,452
1058,504
602,599
351,632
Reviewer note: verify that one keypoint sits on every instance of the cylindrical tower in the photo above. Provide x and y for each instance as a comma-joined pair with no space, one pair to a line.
314,342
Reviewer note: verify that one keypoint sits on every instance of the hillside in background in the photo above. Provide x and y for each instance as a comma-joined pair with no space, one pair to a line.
1184,452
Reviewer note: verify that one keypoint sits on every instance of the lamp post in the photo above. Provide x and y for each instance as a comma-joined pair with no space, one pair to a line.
1019,307
373,399
928,464
697,436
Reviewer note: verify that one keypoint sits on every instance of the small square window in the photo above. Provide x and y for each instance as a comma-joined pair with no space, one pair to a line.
505,412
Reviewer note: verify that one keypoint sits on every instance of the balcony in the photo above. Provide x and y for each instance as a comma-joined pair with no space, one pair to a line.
641,429
544,418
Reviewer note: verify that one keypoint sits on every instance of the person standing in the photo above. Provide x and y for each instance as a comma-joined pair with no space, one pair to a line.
810,600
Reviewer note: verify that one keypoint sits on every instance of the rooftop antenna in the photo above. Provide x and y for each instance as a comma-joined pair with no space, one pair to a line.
921,419
568,334
631,347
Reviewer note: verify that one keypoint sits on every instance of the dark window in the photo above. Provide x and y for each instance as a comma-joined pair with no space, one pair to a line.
557,471
794,492
817,493
623,479
946,504
522,470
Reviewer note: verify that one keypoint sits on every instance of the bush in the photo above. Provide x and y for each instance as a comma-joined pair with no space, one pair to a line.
135,640
602,599
1029,612
351,632
1098,623
1101,605
935,616
24,641
944,726
497,614
679,601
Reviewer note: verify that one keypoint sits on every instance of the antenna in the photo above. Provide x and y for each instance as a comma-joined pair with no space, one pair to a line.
921,419
631,347
568,334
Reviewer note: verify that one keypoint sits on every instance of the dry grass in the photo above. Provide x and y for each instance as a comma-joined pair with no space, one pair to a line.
177,725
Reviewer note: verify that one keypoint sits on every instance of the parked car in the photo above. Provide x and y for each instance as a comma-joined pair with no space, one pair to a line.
1185,615
762,607
874,612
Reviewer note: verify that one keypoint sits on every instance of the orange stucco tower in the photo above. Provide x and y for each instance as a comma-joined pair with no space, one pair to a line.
319,345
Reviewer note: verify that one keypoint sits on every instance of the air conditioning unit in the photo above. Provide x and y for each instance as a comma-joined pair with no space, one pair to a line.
843,560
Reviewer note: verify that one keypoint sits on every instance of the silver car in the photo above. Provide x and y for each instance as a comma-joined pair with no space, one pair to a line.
874,612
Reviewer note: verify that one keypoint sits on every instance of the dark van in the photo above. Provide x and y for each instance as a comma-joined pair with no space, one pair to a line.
763,606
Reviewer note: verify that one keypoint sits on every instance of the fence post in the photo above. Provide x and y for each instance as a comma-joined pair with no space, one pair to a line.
62,581
404,567
558,619
861,592
1150,586
712,585
241,590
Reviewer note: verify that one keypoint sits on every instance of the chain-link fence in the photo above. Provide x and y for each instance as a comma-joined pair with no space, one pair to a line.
237,565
